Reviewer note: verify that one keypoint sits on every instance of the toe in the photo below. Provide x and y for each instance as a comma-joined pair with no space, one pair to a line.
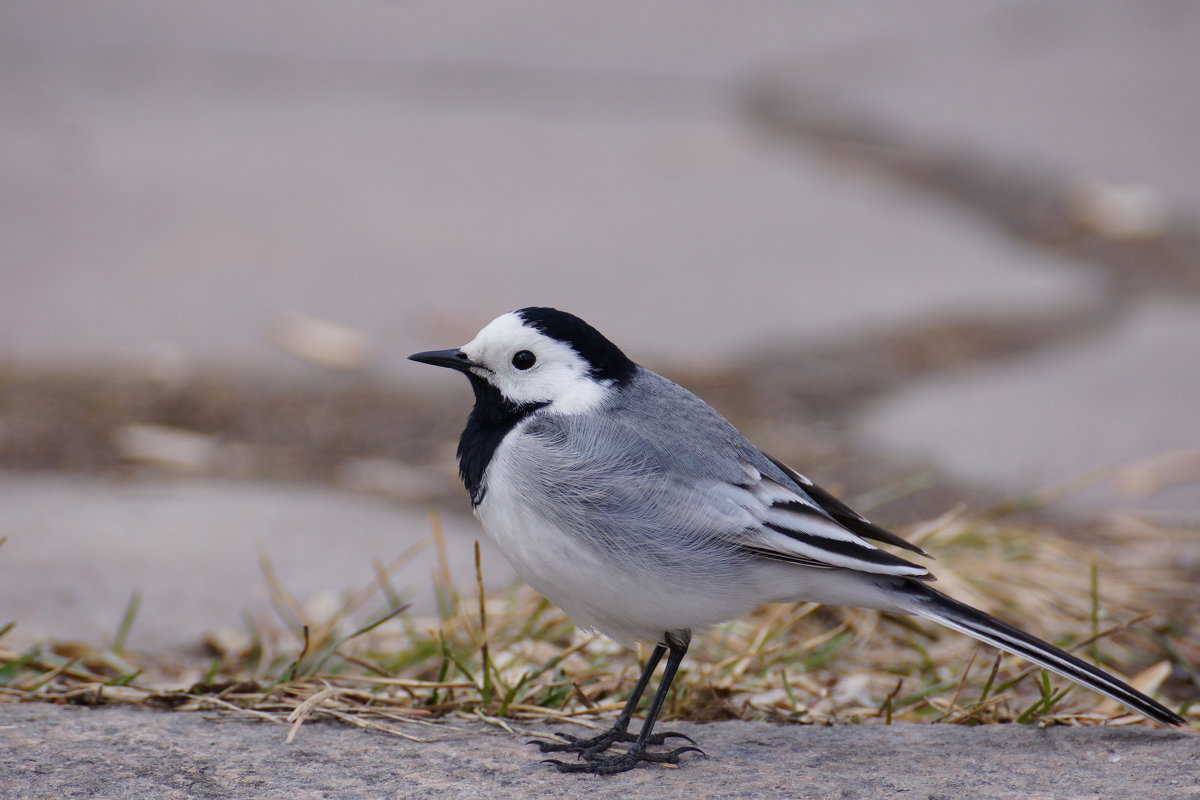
564,766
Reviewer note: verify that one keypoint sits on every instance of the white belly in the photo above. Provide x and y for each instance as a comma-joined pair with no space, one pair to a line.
598,591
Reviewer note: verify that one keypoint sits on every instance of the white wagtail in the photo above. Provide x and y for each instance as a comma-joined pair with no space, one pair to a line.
644,514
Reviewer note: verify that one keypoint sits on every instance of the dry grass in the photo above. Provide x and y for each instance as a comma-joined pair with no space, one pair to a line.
517,658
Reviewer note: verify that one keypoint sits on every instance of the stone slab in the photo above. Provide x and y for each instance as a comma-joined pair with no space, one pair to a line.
705,42
50,752
171,183
1125,396
1100,91
78,548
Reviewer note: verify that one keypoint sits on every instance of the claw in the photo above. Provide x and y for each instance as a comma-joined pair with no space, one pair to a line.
677,752
661,738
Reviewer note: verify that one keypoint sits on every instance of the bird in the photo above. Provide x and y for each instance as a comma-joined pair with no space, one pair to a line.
645,515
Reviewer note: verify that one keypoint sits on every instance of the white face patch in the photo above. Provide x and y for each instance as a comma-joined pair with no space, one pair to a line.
559,376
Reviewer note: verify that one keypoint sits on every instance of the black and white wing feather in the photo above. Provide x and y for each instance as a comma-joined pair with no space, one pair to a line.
843,514
804,524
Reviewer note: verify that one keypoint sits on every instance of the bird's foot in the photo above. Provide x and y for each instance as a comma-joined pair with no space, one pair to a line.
598,744
597,764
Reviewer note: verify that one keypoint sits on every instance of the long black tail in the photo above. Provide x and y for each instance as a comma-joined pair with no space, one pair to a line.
938,607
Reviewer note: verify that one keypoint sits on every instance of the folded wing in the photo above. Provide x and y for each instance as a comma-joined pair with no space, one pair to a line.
812,528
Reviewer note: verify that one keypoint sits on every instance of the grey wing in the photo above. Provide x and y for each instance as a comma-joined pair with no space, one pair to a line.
664,476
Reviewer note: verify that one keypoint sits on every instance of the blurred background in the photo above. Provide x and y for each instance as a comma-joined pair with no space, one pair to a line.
930,253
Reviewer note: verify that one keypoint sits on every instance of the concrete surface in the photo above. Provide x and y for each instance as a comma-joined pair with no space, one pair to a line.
49,752
174,182
1041,419
1097,90
192,549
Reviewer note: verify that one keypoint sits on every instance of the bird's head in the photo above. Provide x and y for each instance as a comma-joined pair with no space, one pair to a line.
539,356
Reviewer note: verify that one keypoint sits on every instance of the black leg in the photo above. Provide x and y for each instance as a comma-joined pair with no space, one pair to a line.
677,643
619,732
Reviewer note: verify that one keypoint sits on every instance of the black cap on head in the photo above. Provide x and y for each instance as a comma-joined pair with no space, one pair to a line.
605,358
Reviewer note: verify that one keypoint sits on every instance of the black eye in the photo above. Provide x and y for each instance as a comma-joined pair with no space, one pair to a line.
523,359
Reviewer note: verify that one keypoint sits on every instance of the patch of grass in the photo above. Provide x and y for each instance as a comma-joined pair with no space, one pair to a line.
517,658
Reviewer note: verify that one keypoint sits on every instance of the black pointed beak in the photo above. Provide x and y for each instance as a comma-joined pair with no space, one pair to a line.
453,358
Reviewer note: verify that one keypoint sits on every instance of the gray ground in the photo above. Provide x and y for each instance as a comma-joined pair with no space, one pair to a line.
128,754
935,250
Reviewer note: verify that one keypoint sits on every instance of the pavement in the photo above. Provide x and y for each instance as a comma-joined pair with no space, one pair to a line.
938,239
193,551
130,754
1064,411
204,212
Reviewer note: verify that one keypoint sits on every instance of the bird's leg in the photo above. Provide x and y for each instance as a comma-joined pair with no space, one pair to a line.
619,732
593,762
